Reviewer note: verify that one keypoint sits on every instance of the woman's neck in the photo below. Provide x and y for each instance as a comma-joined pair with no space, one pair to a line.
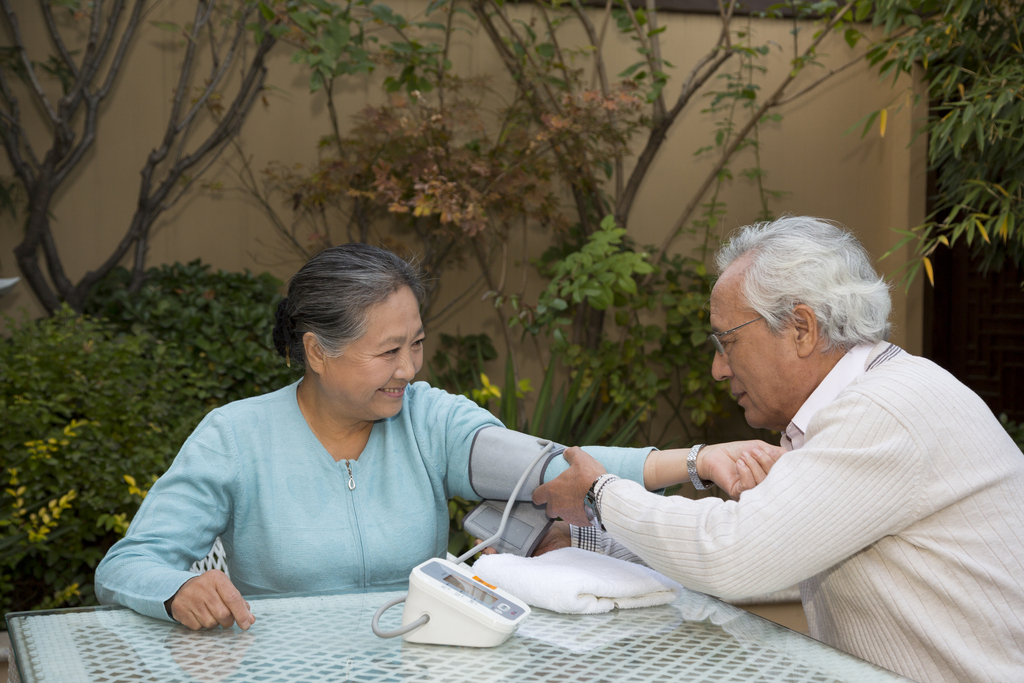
344,438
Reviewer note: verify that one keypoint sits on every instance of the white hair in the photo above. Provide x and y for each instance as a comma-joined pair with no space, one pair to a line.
803,260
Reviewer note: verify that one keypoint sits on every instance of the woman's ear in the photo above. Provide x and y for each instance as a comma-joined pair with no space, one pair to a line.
316,359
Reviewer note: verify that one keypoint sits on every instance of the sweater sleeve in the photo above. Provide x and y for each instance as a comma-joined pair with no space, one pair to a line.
451,422
184,512
855,481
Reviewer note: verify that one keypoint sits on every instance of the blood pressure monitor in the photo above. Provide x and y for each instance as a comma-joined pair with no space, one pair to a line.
463,609
446,603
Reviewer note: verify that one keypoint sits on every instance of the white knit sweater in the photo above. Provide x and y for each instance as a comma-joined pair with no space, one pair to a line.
902,517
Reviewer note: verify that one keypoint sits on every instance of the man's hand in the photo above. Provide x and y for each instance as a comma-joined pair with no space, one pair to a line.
564,495
737,466
211,600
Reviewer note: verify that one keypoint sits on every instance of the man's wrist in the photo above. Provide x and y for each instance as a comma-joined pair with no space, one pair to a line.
593,499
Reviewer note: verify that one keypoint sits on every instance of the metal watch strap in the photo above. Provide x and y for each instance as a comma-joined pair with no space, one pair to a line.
691,468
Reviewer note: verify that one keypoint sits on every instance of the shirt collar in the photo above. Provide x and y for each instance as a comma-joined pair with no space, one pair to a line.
851,366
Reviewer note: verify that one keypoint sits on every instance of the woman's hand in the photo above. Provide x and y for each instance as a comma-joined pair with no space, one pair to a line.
737,466
558,536
211,600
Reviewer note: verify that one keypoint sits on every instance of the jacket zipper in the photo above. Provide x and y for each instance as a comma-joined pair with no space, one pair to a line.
355,521
351,479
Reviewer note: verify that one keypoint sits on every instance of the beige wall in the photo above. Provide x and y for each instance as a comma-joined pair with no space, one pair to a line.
872,185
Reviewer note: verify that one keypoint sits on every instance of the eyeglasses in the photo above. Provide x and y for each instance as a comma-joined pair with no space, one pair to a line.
715,337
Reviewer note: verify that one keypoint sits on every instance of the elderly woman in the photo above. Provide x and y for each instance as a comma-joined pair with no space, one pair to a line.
337,482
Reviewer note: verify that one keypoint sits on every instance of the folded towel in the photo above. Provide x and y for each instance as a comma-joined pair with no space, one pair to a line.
574,581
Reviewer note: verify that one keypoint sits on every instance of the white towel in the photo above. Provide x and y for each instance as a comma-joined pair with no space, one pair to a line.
574,581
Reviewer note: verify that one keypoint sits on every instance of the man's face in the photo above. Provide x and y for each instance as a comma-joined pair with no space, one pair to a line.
761,367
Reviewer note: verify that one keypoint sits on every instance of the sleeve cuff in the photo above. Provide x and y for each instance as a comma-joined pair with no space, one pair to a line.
586,538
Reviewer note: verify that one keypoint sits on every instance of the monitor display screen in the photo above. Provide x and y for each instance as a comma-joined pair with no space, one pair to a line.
472,590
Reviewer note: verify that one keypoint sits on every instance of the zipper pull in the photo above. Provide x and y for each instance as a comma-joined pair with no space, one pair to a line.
351,479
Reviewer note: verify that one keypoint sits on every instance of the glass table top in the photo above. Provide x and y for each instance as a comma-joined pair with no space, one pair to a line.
314,638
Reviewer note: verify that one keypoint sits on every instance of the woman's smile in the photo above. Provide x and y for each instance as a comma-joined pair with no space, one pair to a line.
393,392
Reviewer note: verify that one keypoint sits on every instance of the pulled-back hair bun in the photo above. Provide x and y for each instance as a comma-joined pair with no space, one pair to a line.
284,330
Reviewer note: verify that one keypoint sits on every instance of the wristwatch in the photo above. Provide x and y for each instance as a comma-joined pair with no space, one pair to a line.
591,500
593,494
691,468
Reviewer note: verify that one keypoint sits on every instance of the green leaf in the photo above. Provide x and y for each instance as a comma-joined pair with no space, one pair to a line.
852,36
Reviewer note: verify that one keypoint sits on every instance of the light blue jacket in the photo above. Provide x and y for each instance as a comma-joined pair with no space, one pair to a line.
292,518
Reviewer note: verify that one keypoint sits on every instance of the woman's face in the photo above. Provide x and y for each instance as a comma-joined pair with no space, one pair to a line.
368,380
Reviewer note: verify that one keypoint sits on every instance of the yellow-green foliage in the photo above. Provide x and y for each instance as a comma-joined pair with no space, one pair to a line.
93,412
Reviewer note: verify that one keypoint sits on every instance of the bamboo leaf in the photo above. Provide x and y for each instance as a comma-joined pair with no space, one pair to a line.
928,270
981,229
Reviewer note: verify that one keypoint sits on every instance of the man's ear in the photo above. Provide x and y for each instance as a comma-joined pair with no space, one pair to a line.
316,359
805,324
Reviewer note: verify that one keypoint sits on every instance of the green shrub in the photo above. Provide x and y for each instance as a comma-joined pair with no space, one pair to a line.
83,406
222,320
95,410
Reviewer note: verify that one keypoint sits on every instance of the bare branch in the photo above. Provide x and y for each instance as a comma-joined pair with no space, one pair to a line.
14,136
95,53
815,84
70,102
464,294
30,71
68,163
450,8
552,100
704,70
537,107
602,75
183,190
833,72
53,264
126,38
58,42
554,41
176,126
151,203
652,64
742,134
251,187
211,87
229,126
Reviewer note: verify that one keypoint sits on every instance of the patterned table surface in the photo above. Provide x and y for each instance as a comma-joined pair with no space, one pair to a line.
328,638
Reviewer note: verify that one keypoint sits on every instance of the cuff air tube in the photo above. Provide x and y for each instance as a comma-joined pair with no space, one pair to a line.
497,459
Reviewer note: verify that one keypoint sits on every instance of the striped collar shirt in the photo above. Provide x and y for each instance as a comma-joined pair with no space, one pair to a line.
851,366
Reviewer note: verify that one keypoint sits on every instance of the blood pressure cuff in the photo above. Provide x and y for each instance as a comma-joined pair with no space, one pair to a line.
497,459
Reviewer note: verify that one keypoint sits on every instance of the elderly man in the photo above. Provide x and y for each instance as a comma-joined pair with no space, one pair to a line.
899,506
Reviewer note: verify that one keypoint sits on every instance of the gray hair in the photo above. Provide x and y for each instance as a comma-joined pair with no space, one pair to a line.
331,295
802,260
